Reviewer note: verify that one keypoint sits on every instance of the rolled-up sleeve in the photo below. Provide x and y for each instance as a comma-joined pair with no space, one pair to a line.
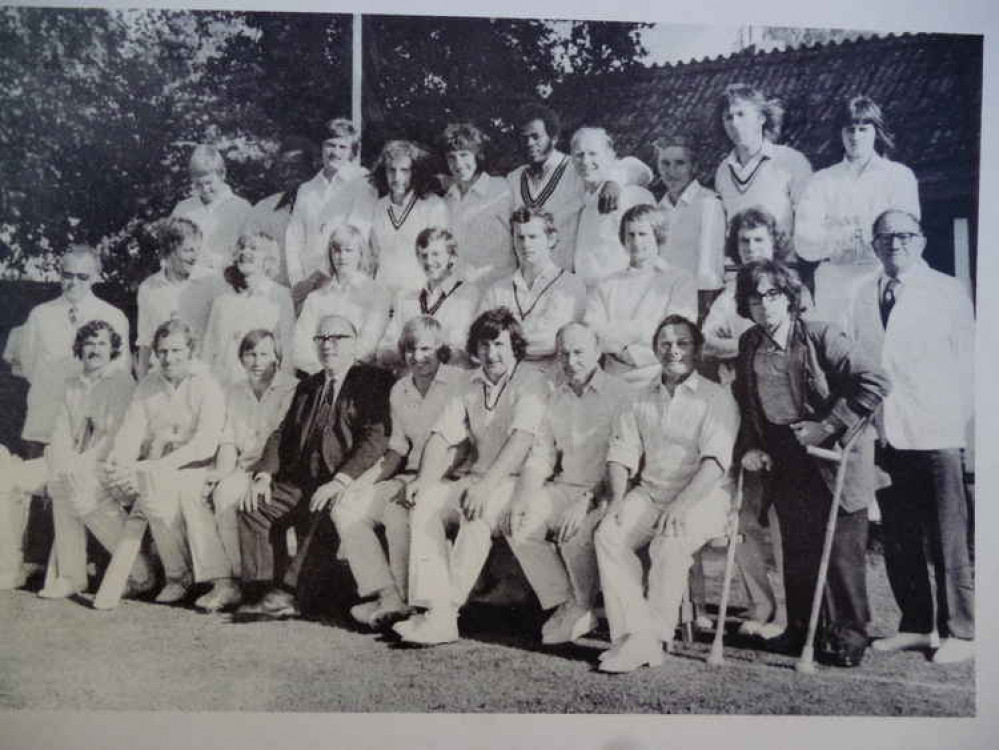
720,429
452,425
625,446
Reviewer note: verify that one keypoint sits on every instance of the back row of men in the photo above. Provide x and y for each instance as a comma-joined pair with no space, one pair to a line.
623,308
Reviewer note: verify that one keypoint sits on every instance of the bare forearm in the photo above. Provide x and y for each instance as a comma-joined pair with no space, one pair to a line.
618,475
434,463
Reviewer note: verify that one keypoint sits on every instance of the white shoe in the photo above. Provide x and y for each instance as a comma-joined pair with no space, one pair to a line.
568,623
637,650
224,594
172,593
61,588
704,624
903,642
435,627
954,650
361,613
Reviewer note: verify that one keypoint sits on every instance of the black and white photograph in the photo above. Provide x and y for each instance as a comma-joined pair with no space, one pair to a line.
373,363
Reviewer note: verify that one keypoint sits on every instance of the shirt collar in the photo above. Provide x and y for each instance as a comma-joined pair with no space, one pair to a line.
103,374
479,376
687,196
87,301
876,162
597,384
691,384
917,270
446,288
766,150
551,163
547,274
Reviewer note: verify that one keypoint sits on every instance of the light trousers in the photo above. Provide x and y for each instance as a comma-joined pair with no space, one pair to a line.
357,515
752,556
441,575
178,515
628,609
558,573
21,480
225,498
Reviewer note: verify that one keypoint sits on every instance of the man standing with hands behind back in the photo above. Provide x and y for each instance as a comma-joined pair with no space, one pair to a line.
336,429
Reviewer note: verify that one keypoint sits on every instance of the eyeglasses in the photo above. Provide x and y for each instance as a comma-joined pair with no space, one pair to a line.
885,239
770,295
331,339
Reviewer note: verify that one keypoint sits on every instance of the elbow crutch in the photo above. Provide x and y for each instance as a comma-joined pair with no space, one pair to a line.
717,657
806,663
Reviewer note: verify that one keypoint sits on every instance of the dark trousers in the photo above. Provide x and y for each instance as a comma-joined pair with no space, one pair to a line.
801,497
926,508
323,584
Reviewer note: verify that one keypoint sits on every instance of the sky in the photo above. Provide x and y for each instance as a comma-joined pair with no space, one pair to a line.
682,43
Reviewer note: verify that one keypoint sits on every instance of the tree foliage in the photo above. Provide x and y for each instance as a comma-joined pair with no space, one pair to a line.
100,108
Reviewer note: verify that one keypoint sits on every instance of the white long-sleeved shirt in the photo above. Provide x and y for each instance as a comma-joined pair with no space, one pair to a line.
696,234
480,221
320,205
189,417
414,415
249,421
625,309
393,245
220,222
45,355
834,221
598,252
160,300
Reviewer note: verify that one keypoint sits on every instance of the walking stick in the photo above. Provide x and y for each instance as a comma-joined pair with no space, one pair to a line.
717,656
806,663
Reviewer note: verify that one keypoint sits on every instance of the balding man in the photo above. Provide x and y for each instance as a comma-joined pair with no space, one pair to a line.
335,430
566,505
920,323
598,251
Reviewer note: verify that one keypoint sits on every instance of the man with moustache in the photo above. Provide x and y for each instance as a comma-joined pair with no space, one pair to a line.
325,201
683,427
335,430
920,324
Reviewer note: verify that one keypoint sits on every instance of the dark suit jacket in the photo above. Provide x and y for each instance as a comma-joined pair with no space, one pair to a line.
830,379
352,441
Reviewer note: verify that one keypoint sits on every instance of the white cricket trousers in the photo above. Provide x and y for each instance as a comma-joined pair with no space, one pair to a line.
628,609
357,515
441,575
178,515
557,572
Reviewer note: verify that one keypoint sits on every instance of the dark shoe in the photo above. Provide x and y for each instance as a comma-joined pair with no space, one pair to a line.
788,643
275,605
842,656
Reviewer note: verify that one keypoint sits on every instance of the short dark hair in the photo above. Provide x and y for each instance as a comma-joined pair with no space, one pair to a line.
89,330
490,325
751,218
771,109
782,277
424,323
674,319
171,327
172,232
423,180
863,109
464,136
534,111
254,337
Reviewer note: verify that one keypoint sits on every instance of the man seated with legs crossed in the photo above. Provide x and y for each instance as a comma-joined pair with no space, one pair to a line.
335,430
573,436
416,402
499,412
683,427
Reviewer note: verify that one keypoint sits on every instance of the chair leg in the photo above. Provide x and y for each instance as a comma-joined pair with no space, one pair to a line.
687,617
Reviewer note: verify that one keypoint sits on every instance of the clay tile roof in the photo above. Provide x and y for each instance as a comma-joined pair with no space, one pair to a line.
928,84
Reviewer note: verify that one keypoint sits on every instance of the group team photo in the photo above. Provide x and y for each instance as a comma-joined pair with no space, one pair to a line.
676,391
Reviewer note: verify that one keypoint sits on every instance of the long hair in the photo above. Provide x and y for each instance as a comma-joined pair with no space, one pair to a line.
751,218
89,330
263,243
490,325
771,109
864,110
174,231
254,337
414,326
422,182
782,278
